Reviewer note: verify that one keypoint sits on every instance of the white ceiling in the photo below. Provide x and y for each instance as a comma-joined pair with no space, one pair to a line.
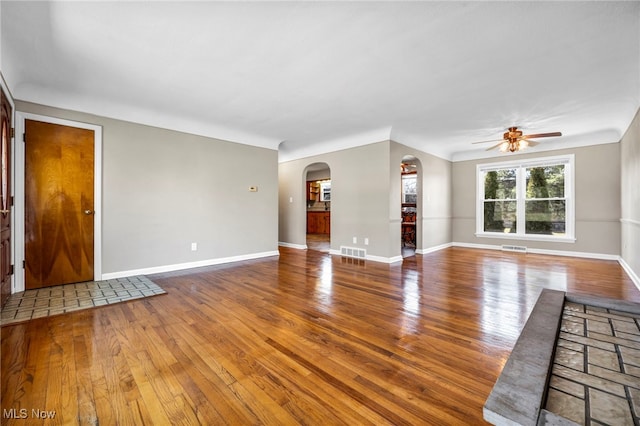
309,77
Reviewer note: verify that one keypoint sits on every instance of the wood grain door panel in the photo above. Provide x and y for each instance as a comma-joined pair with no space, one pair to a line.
59,203
5,199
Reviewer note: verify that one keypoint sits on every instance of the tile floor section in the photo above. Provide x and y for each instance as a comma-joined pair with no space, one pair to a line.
61,299
596,372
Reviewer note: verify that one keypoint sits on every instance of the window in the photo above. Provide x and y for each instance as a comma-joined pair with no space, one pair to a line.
529,199
409,188
325,190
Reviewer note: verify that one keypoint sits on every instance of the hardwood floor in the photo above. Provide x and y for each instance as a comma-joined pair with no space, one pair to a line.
319,242
305,338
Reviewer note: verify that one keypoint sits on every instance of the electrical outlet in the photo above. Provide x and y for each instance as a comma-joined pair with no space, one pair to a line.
291,199
355,240
194,246
366,241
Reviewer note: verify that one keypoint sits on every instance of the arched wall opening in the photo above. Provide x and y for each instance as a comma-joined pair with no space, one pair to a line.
410,205
317,183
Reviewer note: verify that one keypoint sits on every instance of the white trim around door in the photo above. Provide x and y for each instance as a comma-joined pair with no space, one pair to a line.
19,156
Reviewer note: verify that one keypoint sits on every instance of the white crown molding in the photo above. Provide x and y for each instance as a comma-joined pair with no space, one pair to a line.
104,108
287,153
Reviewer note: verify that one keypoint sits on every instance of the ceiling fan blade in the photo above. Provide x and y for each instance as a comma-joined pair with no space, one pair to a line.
541,135
495,146
492,140
532,143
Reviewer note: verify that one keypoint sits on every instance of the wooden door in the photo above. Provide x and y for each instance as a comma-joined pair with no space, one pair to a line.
6,200
59,196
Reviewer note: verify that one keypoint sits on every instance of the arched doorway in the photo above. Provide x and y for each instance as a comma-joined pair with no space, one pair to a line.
410,205
317,178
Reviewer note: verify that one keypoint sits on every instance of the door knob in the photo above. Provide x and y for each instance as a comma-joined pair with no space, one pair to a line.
88,212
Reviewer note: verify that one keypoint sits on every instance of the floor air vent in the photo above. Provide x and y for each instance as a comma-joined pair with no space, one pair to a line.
358,253
519,249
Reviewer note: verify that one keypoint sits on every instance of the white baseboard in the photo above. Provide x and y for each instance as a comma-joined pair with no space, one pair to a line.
294,246
476,246
434,248
582,254
188,265
381,259
632,274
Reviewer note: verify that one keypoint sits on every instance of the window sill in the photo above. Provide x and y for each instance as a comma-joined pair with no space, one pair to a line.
548,238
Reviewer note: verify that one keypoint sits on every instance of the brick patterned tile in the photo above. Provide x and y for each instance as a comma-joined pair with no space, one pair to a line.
632,371
620,314
599,327
614,376
567,386
566,406
573,307
609,409
586,341
635,401
626,327
40,313
570,359
577,347
630,337
588,316
38,303
600,337
608,392
589,380
602,358
573,327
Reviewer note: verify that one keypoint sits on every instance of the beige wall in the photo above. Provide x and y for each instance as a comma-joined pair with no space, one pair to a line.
630,184
163,190
597,202
365,193
359,194
434,192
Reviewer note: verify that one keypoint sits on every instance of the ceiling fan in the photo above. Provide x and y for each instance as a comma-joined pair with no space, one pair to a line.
513,140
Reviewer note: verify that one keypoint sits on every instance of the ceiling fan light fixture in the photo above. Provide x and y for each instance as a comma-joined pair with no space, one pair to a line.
513,140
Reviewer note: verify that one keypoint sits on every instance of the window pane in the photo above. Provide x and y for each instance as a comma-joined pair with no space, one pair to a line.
500,216
409,188
545,182
500,184
545,217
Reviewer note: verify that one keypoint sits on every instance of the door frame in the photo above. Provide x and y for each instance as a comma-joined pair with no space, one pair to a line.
19,174
12,190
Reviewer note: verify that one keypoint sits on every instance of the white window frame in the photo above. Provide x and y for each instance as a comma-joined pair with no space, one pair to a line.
412,176
323,190
520,166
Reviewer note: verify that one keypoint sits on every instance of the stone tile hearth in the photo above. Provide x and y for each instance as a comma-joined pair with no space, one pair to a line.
596,370
576,362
